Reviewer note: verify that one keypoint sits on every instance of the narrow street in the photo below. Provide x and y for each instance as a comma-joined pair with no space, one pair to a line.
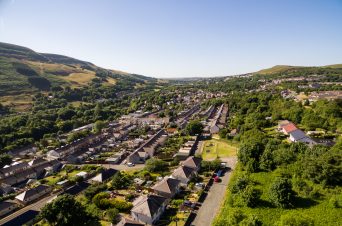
211,205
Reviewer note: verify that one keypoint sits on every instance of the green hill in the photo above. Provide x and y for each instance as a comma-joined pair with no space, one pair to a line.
24,71
284,69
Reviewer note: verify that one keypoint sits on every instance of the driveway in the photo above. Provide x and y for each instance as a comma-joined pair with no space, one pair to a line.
211,205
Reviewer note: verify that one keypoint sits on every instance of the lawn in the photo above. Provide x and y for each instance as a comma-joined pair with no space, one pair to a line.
317,209
216,147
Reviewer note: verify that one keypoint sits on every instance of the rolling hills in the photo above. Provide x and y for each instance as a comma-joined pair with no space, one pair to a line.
25,72
278,69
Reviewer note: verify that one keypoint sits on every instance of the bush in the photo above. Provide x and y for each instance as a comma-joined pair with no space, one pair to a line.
121,205
240,184
121,181
281,193
154,165
92,190
112,215
293,219
251,196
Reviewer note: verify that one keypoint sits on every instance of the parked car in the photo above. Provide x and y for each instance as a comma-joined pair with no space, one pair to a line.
217,179
130,164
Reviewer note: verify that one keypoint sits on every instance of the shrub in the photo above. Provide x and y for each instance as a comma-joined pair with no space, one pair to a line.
281,193
121,205
251,196
240,184
112,215
92,190
293,219
154,165
121,181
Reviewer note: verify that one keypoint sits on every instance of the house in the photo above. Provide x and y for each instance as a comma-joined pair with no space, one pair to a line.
299,136
104,176
36,161
5,189
129,222
82,174
33,194
7,207
148,209
167,188
193,162
214,128
138,157
16,167
288,128
184,174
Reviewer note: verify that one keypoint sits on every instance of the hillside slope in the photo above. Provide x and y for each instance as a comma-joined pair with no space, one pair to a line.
280,69
24,71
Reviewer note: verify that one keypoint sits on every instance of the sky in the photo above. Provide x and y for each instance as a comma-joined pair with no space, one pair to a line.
179,38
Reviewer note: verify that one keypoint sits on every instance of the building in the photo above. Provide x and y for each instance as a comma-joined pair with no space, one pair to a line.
184,174
288,128
148,209
128,222
33,194
193,162
167,188
104,176
7,207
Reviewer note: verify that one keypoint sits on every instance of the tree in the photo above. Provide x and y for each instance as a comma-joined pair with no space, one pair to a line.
194,127
5,160
281,193
92,190
249,155
112,215
121,180
98,126
154,165
251,196
66,211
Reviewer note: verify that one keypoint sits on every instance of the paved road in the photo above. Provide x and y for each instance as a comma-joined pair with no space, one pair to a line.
123,167
33,207
216,194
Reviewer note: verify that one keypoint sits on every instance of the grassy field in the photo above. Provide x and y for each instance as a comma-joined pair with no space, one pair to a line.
318,209
218,148
21,102
80,79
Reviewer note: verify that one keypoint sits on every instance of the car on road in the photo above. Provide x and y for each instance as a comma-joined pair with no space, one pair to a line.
130,164
217,179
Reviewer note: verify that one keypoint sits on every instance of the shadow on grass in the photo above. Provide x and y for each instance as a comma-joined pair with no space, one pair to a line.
265,203
301,202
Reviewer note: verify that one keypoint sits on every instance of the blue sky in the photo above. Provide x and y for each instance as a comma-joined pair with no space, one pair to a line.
179,38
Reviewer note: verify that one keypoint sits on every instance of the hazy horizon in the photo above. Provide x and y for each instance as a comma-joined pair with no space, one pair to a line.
179,39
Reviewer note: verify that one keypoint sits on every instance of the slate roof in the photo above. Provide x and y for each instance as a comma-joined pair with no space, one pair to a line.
31,192
148,205
167,185
298,134
183,171
15,167
105,175
5,205
192,162
129,222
